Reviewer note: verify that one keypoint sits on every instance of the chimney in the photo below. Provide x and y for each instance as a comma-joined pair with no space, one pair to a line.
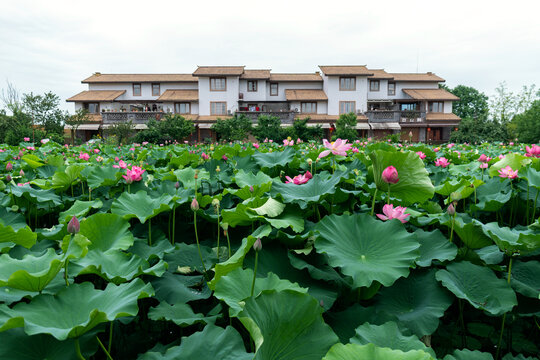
97,73
429,73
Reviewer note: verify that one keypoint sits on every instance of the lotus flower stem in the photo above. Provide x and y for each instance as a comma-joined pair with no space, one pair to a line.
218,231
109,346
82,187
149,232
229,243
527,206
504,316
254,272
89,193
173,224
71,186
388,199
197,239
452,227
78,350
103,348
373,202
534,207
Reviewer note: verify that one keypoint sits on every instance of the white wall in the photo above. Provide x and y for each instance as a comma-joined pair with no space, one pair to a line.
331,86
169,107
381,94
255,96
400,85
447,107
284,85
230,96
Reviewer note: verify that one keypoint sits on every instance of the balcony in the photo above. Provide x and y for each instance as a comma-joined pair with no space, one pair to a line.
136,117
402,117
286,117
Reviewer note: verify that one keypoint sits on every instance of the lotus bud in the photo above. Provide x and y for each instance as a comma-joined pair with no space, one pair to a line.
9,166
251,189
390,175
194,204
257,246
21,172
309,161
73,226
21,154
225,227
8,178
451,210
176,185
218,169
196,176
224,158
215,203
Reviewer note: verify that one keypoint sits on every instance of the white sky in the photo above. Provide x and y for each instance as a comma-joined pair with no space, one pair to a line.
53,45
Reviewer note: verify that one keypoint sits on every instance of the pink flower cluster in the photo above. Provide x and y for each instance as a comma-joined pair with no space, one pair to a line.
507,172
421,155
533,151
288,142
391,213
84,156
442,162
338,147
135,174
299,179
121,165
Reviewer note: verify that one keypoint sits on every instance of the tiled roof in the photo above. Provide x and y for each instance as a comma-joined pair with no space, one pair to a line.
430,94
219,71
380,74
130,78
304,95
97,95
295,77
442,116
345,70
416,77
255,74
179,95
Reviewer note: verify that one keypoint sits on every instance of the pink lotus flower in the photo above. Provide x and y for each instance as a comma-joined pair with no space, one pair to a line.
135,174
96,151
501,156
391,213
30,148
256,146
26,139
299,179
99,159
484,159
451,145
288,142
9,166
442,162
421,155
511,143
338,147
483,166
534,150
84,156
224,158
204,156
507,172
116,159
390,175
44,141
355,150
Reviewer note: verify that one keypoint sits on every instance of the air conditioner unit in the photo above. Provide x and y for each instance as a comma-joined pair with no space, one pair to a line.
296,110
229,112
358,112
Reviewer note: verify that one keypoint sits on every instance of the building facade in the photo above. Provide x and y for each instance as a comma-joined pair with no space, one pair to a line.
384,103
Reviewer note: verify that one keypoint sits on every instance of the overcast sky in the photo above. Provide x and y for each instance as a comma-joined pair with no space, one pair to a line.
53,45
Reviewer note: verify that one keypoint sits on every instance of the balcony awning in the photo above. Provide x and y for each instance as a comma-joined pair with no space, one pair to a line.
305,95
84,127
179,95
385,126
430,94
362,126
380,100
96,95
141,127
442,117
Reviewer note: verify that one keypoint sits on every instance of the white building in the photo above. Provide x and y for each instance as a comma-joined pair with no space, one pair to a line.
383,102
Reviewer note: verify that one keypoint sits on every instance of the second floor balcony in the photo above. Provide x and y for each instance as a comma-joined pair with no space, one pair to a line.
286,116
136,117
406,116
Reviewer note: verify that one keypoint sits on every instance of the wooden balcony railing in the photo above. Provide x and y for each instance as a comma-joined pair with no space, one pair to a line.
377,116
136,117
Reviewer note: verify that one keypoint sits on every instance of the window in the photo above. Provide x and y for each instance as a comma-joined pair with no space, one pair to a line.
137,89
218,84
436,106
252,85
347,83
391,88
346,107
374,85
218,108
408,107
156,90
93,108
182,108
309,107
273,89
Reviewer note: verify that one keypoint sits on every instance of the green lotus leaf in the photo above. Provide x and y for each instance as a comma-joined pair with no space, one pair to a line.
466,354
434,246
509,356
372,352
225,344
344,323
187,177
79,209
461,187
31,273
175,289
319,269
479,286
471,233
414,184
515,161
492,195
490,254
367,249
181,314
9,295
78,308
115,266
243,179
107,232
287,325
416,302
388,335
532,176
525,279
16,345
234,287
8,319
157,250
36,196
522,240
187,256
22,236
237,259
102,176
33,161
308,193
270,208
64,179
274,159
140,205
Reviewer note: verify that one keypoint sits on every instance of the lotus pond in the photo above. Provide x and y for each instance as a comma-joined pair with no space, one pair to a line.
269,251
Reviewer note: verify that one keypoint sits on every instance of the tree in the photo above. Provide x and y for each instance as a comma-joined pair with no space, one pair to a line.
236,128
171,128
528,124
479,130
44,111
346,126
306,133
268,127
122,131
472,103
80,117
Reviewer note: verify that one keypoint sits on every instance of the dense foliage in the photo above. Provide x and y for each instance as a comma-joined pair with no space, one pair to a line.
236,128
266,251
171,128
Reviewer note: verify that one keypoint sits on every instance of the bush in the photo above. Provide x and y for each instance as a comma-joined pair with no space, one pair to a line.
479,130
268,127
122,131
307,133
236,128
527,124
346,127
171,128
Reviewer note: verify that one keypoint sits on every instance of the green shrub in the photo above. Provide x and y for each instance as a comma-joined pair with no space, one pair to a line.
346,127
236,128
